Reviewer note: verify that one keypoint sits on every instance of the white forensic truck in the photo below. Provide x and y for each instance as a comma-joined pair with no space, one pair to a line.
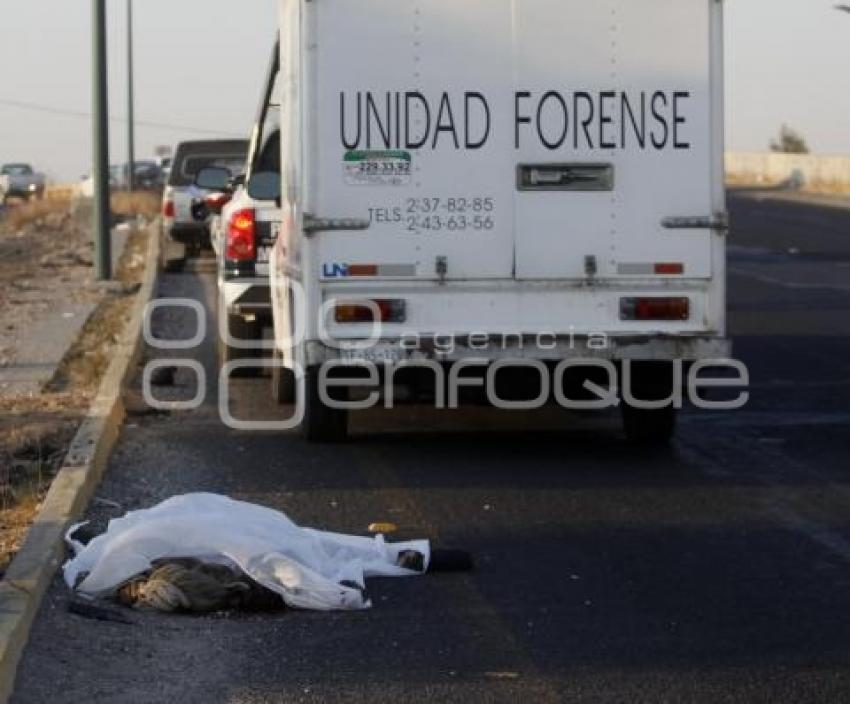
515,190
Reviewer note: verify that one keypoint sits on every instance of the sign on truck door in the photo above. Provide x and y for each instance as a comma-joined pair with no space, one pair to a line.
490,139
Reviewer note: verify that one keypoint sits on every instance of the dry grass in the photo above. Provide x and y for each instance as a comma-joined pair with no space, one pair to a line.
35,433
19,216
34,437
50,211
142,203
88,359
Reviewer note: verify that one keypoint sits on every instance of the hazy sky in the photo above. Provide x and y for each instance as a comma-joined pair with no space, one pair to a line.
200,64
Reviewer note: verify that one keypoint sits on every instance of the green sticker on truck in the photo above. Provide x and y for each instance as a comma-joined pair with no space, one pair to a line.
377,168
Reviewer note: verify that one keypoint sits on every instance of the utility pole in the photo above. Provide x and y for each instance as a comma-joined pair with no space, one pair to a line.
100,144
131,126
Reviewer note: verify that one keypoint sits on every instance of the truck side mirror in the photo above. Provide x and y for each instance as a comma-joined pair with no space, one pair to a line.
213,178
265,185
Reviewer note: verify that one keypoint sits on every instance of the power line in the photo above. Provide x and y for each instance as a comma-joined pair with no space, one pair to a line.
50,110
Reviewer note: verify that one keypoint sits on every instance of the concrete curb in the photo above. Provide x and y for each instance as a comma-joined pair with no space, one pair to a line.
31,572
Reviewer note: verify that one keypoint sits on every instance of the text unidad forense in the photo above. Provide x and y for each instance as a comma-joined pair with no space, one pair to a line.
606,120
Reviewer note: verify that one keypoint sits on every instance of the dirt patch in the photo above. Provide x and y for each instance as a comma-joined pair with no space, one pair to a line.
34,437
87,361
45,258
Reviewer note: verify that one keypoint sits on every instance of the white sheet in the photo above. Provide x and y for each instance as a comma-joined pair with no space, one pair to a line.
303,565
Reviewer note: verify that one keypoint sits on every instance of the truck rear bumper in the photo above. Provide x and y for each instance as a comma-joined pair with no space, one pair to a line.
197,234
247,297
513,347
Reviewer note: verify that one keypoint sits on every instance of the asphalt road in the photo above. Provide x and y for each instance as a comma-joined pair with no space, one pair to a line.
716,571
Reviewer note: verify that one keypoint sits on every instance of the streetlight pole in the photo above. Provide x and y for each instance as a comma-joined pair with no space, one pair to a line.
100,144
131,127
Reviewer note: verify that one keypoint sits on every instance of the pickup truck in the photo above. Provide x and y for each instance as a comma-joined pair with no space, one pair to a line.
243,273
20,181
178,223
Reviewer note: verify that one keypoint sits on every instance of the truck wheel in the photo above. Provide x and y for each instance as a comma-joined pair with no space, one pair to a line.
240,329
321,423
283,381
167,262
649,428
650,381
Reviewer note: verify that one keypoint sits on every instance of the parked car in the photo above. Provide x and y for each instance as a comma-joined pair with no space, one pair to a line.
473,208
165,168
20,181
117,177
179,225
148,175
243,231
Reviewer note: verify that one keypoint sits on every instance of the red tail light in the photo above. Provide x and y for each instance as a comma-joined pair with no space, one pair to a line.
670,268
168,210
655,309
390,311
217,201
242,236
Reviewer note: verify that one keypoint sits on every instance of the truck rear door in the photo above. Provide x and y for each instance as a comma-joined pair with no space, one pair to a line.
490,139
411,136
618,137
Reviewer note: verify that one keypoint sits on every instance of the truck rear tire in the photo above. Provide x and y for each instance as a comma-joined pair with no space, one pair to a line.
239,329
168,263
322,424
650,381
283,381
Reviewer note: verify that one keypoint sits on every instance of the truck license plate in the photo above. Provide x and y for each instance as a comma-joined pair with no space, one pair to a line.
380,354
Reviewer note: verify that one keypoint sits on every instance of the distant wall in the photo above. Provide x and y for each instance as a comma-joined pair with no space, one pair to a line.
808,171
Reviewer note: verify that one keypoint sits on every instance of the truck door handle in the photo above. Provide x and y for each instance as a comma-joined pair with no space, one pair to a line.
718,222
313,224
557,178
565,177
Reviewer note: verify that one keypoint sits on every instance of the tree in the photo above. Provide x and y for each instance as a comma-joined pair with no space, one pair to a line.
790,142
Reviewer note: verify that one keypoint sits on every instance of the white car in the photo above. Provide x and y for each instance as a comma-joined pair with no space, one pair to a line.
242,236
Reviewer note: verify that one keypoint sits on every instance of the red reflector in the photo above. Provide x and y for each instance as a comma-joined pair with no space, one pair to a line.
242,236
363,270
168,210
670,268
217,200
655,309
390,311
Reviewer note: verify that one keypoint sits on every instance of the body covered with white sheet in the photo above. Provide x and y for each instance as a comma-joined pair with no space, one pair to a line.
306,567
